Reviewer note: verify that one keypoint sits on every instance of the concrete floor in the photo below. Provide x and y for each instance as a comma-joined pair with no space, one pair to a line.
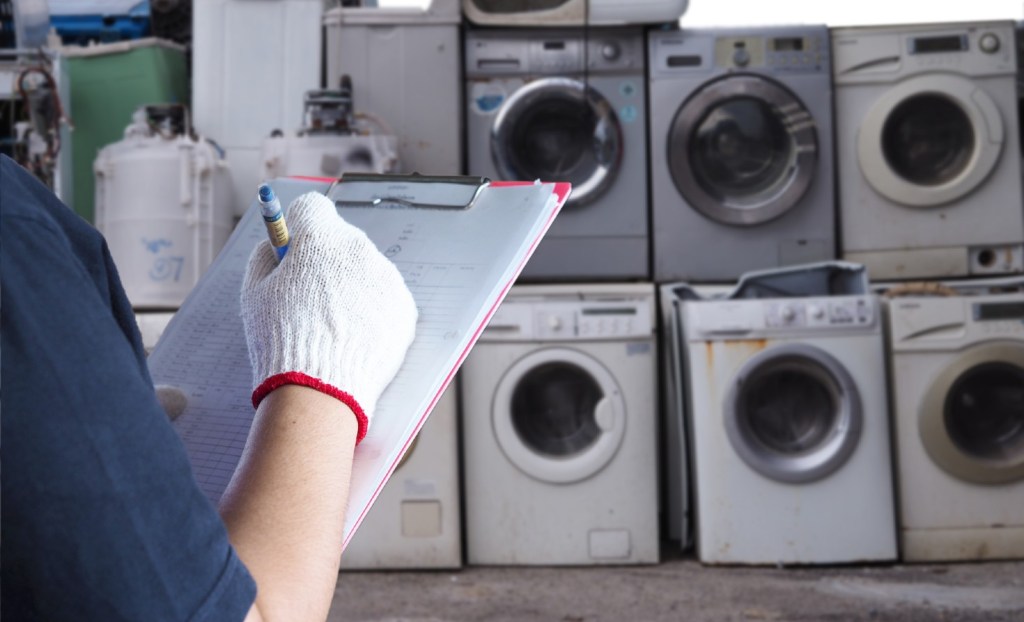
682,589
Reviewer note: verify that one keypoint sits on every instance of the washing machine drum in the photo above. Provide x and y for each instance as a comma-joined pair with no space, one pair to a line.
972,417
930,140
558,129
559,415
742,150
793,413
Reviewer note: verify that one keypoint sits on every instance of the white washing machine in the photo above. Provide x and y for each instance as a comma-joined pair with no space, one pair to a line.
741,150
567,105
559,418
789,430
957,373
416,521
927,149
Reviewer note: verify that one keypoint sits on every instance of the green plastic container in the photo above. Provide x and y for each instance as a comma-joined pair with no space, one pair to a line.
105,84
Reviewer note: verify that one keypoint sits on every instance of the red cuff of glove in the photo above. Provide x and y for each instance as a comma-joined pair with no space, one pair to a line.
299,378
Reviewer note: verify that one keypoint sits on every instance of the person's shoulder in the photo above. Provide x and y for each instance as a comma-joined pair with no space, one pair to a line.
25,200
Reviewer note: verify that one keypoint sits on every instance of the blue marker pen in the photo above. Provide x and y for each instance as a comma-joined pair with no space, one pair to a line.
273,218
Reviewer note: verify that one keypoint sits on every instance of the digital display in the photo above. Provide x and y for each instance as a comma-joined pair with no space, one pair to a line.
932,45
554,45
999,311
610,311
788,44
684,61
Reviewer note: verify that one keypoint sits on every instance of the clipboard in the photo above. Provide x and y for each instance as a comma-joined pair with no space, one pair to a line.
459,242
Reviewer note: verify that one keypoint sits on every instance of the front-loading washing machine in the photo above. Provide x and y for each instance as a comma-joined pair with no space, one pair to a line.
927,149
567,105
789,430
740,150
416,520
957,373
559,429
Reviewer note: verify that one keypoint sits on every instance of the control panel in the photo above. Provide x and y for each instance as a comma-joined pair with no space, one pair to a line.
821,312
749,317
953,322
553,52
796,53
571,321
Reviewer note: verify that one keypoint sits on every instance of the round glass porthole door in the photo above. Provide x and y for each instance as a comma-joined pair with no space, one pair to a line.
930,140
558,129
972,417
793,413
558,415
742,150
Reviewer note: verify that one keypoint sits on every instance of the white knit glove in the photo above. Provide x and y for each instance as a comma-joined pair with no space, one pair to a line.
334,314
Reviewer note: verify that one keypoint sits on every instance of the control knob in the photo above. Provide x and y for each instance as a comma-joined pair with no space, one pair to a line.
554,323
989,43
611,51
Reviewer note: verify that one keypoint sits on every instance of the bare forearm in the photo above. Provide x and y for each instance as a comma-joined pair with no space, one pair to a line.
285,506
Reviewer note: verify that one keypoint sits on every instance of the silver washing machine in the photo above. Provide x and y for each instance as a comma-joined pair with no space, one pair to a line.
927,143
741,151
567,105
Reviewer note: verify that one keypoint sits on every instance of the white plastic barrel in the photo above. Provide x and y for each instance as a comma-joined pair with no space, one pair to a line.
164,205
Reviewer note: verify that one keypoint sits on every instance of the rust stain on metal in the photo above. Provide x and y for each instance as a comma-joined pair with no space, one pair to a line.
735,346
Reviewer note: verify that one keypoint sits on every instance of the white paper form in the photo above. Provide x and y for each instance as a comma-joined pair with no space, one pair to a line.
458,264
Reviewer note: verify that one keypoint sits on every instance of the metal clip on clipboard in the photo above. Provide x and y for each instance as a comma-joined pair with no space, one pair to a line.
406,191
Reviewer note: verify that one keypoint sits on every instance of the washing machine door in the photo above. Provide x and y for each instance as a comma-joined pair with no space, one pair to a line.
558,129
742,150
971,420
793,413
558,415
930,140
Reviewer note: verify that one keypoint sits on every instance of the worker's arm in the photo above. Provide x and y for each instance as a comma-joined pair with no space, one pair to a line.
327,327
285,507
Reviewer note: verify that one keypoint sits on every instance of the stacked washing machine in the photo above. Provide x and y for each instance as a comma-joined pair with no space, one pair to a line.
559,396
741,151
784,404
795,398
775,403
929,162
928,153
956,355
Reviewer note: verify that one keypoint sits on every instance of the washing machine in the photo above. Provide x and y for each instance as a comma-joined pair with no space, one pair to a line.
957,372
559,443
927,149
741,150
567,105
789,430
416,521
572,12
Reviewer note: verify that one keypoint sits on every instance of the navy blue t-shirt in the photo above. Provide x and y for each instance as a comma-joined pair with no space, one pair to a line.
101,515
